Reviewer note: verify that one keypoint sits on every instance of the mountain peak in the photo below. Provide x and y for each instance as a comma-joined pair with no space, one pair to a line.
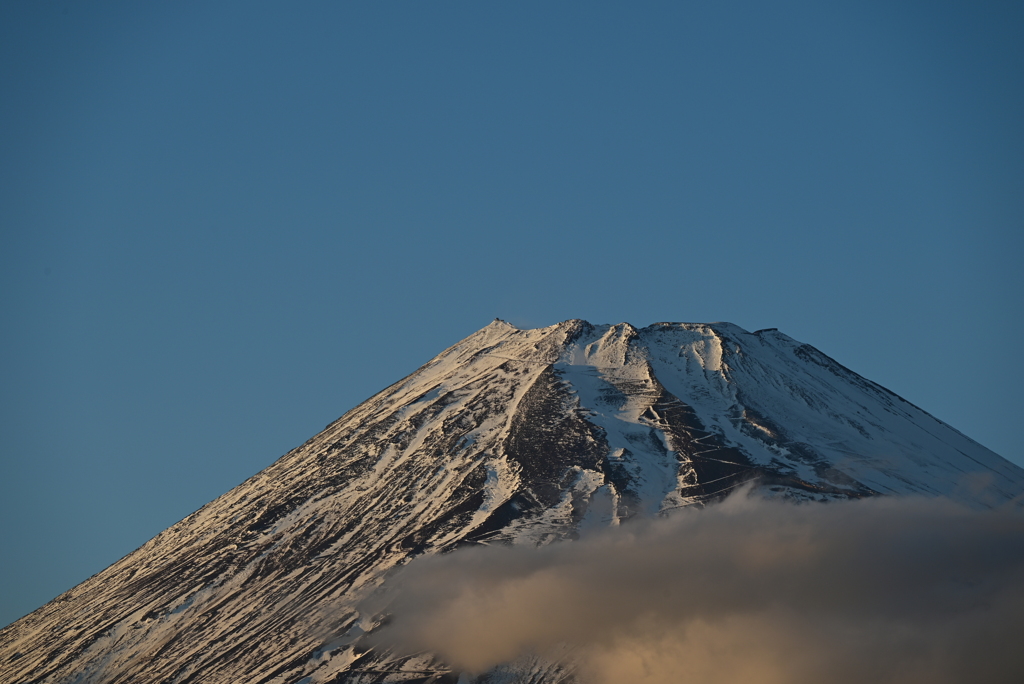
510,436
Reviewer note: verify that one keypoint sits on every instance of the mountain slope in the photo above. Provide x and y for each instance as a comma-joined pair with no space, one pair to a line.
520,436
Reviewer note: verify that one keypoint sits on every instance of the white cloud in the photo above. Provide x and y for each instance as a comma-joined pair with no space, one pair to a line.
882,590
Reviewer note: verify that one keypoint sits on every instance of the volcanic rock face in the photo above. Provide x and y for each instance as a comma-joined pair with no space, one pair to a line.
510,436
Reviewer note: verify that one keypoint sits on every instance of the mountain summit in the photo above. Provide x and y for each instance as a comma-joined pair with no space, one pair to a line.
510,436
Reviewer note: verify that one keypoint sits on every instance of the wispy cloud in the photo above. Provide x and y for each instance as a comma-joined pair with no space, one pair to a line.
883,590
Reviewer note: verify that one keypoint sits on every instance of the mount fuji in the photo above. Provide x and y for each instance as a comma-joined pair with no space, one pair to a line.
509,437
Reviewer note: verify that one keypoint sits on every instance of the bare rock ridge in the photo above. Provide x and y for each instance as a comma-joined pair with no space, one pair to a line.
509,436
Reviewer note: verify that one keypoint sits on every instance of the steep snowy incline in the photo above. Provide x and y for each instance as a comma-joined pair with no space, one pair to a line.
251,586
797,413
510,436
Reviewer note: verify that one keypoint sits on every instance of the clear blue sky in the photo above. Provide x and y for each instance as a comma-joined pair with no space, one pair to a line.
225,224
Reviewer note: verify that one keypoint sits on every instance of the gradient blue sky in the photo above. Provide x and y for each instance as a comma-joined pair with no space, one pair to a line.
225,225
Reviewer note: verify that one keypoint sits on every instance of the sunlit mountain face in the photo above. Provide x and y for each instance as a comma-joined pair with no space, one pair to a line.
510,437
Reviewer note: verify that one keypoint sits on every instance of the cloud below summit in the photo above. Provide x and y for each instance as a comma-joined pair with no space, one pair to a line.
887,589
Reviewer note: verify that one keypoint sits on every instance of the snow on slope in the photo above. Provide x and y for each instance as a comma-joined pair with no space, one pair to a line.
793,409
510,436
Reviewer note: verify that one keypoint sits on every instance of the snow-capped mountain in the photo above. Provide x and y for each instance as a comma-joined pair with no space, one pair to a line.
510,436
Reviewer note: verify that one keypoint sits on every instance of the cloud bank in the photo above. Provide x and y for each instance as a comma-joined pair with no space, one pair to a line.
881,590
